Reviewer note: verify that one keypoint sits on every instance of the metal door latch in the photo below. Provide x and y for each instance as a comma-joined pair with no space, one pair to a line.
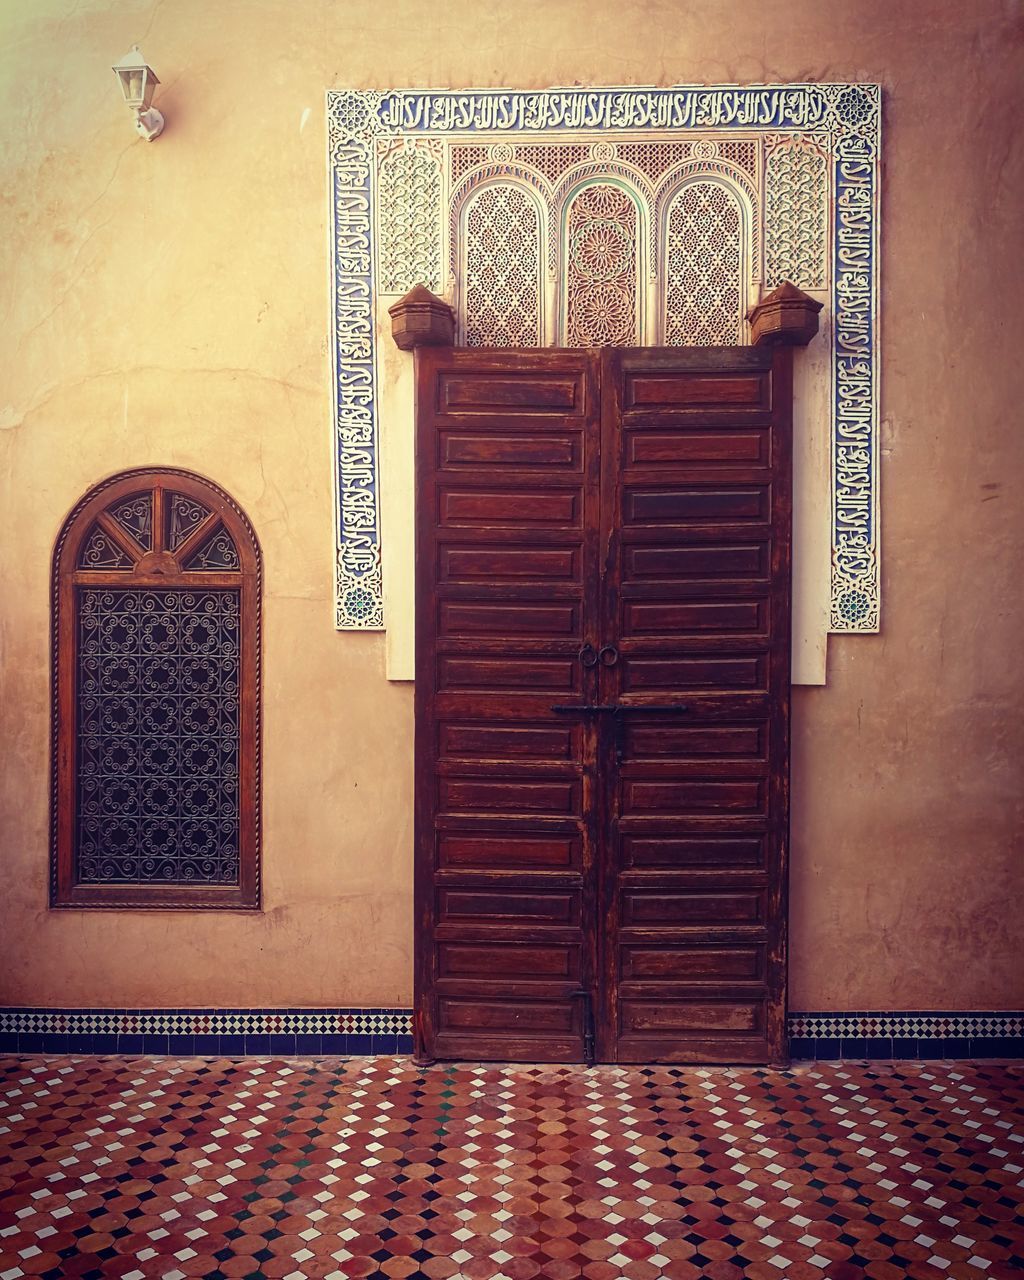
588,1025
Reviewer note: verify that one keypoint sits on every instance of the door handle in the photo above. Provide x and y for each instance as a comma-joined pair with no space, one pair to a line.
608,655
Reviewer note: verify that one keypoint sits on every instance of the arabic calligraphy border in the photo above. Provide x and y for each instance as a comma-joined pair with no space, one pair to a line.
851,113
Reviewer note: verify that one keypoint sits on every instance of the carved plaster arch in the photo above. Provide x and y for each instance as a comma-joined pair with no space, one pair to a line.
599,171
462,247
589,179
728,175
494,171
697,304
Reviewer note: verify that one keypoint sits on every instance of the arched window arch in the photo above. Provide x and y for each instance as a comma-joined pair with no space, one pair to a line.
156,687
502,235
704,265
602,302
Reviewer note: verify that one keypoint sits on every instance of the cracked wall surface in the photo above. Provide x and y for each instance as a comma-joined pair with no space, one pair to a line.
166,304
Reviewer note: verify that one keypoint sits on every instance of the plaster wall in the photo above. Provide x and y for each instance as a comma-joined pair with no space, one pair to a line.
167,304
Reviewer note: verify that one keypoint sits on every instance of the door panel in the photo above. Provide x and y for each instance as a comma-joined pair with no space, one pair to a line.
670,564
508,564
695,598
602,704
694,672
706,391
510,851
489,452
507,455
518,673
654,504
517,506
741,448
515,391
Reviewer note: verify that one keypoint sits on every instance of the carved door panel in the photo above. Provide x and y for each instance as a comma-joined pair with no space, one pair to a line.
601,704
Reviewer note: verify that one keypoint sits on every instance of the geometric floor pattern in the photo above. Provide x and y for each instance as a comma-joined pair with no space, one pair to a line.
372,1167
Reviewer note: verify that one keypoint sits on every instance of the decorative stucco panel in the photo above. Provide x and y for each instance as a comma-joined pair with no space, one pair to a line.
608,216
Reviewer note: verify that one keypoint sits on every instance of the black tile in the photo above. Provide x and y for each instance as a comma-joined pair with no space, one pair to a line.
154,1042
8,1041
904,1047
867,1047
181,1044
130,1043
799,1046
55,1042
956,1047
827,1049
258,1045
998,1047
30,1042
231,1045
104,1042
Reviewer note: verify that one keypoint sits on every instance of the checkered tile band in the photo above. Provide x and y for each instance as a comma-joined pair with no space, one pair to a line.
930,1025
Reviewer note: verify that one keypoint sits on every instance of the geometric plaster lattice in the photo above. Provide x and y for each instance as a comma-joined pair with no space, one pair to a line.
601,216
704,292
602,285
502,255
796,215
408,204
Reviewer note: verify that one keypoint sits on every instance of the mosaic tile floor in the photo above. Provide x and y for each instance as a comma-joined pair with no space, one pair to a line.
164,1167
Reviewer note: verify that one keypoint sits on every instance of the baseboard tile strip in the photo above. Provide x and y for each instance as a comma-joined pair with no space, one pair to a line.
928,1034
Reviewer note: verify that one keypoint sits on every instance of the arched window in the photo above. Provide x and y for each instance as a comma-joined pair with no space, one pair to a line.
156,653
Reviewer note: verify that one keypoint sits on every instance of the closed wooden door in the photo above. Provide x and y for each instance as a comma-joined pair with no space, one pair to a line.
603,603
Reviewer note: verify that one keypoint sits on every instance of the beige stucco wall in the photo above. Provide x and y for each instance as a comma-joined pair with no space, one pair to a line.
167,304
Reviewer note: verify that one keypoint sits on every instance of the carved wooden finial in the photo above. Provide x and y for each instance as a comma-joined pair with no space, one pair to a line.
422,319
787,315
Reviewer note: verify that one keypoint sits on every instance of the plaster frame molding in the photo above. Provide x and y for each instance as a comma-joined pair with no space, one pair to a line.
842,120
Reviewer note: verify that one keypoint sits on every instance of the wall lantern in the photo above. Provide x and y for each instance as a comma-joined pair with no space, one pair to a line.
137,82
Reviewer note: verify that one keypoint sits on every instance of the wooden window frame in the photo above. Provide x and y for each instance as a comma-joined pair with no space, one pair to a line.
157,568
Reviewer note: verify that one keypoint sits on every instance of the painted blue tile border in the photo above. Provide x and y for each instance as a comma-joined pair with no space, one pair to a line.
350,1032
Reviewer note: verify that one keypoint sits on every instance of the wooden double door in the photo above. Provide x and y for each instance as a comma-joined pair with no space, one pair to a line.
602,704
